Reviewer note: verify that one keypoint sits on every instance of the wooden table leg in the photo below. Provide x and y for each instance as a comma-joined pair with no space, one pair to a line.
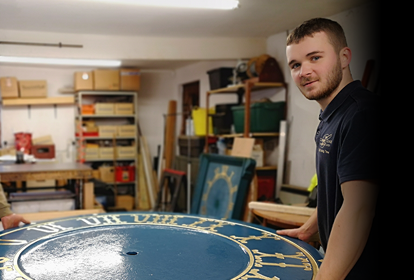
88,195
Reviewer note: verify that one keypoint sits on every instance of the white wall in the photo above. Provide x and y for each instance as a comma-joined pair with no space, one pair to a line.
131,48
360,28
157,89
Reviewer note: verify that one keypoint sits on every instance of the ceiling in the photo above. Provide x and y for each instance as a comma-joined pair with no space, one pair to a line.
253,18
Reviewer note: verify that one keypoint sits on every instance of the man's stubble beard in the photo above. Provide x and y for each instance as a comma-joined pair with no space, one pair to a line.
333,80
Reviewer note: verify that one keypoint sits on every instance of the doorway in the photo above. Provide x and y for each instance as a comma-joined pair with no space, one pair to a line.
191,99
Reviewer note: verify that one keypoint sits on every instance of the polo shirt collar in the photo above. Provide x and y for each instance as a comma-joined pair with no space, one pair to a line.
338,100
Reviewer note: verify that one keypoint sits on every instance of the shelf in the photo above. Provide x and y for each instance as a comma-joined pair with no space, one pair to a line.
269,167
120,183
236,88
39,101
106,116
113,92
251,134
109,159
103,138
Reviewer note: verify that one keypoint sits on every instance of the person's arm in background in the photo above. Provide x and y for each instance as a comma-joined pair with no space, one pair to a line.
306,231
8,218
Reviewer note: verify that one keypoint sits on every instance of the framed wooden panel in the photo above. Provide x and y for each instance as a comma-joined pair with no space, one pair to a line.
222,186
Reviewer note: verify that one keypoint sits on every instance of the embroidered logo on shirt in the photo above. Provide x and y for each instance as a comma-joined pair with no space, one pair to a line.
325,142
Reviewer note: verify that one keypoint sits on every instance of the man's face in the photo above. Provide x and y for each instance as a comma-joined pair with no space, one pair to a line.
314,66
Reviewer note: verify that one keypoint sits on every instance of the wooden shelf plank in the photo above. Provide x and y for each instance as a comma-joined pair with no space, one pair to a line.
267,167
39,101
257,86
251,134
105,116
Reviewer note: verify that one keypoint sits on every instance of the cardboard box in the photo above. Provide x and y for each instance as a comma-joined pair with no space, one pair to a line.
106,152
107,174
9,88
104,108
130,79
106,79
83,81
33,89
127,130
126,152
124,109
43,140
107,130
8,151
91,153
125,201
43,151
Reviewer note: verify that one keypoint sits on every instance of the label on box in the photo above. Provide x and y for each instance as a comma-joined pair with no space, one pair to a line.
83,81
33,88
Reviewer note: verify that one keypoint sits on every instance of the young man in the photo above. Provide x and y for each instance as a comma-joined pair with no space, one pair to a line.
8,218
346,151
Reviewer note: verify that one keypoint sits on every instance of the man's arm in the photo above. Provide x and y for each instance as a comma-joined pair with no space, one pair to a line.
8,219
306,231
350,230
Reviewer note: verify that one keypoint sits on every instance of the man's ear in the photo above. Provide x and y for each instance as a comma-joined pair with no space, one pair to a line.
345,55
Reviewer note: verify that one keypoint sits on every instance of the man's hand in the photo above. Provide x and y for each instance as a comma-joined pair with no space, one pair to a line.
306,231
299,233
12,221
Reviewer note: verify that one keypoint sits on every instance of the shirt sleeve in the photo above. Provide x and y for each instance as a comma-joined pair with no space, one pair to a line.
359,148
4,206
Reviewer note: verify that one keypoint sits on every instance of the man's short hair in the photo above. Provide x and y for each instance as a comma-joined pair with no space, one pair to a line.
336,34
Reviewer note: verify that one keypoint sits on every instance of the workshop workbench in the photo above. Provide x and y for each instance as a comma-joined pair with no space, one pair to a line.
55,171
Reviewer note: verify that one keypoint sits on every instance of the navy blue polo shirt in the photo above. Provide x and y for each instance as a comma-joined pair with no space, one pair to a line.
347,148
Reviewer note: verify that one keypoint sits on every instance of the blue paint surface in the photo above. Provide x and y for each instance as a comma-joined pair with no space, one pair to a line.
139,245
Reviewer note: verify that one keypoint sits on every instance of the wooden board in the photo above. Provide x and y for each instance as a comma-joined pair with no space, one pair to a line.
39,101
171,120
306,211
40,216
88,196
143,196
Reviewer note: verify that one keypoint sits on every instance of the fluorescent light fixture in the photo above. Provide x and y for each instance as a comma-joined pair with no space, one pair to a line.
61,61
200,4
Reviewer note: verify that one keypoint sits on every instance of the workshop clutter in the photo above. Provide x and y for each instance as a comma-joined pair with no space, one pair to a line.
40,147
103,149
263,68
91,129
108,79
265,116
200,122
108,109
120,173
